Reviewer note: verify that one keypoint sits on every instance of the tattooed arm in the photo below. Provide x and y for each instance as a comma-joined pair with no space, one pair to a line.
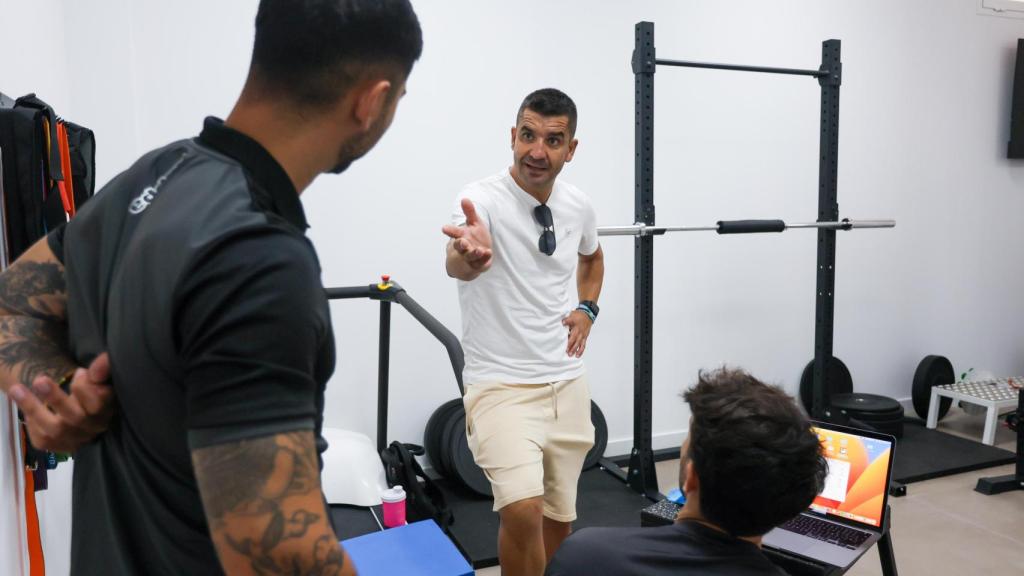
33,323
264,507
34,353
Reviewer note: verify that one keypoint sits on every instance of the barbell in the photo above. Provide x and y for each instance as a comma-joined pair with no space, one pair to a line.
741,227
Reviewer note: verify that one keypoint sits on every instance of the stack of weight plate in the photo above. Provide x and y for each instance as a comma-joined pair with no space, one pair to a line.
882,413
448,449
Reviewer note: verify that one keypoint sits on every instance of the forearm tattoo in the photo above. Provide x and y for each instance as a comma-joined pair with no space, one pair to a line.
258,495
34,289
33,331
30,348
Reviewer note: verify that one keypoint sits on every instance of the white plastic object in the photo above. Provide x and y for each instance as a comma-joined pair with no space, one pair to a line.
353,473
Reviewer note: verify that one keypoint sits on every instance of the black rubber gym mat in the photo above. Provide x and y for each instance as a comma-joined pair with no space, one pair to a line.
602,501
352,521
923,454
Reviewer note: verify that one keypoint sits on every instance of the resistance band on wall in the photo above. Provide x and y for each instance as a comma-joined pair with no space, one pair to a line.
37,564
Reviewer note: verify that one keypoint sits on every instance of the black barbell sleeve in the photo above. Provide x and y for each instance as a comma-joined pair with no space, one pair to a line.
750,226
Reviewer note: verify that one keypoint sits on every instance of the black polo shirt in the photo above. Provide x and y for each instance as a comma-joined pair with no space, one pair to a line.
681,549
192,269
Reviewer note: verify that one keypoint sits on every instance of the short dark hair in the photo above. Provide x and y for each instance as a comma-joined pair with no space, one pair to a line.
549,102
757,459
312,51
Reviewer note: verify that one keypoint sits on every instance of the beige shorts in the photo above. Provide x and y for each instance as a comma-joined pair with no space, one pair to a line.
531,440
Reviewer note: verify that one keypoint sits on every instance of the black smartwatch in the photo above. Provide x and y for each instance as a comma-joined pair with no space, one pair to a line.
592,306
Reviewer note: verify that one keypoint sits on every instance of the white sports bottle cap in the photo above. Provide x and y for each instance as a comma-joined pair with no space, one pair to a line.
396,494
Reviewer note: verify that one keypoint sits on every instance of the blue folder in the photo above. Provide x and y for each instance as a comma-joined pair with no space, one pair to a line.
418,549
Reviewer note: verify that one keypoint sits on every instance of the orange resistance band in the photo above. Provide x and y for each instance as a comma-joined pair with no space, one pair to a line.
67,193
37,565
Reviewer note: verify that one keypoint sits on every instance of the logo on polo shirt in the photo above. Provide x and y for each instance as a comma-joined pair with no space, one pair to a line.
149,193
142,202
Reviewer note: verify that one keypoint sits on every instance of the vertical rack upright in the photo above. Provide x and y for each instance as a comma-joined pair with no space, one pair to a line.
641,475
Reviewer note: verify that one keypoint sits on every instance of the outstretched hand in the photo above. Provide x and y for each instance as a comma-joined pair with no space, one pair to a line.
472,241
60,421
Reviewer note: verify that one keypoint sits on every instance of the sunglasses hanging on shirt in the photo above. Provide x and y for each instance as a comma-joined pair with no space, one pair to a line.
546,243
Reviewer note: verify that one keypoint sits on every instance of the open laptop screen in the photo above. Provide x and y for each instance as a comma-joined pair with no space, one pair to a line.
858,476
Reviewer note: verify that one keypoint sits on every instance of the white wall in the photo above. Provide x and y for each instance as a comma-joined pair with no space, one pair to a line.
29,64
923,130
924,121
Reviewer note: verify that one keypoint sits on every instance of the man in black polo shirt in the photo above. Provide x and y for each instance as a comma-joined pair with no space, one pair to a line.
192,270
749,463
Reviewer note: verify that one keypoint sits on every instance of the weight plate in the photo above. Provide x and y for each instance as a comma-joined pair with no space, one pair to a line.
872,420
449,452
600,437
448,431
932,371
433,439
839,381
875,416
432,435
867,404
461,459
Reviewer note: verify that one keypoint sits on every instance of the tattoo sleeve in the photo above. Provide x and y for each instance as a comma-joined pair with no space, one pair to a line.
34,289
33,328
264,506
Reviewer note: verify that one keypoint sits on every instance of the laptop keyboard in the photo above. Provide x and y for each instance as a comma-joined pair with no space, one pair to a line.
826,531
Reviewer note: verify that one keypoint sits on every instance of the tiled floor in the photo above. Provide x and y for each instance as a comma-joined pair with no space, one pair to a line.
942,526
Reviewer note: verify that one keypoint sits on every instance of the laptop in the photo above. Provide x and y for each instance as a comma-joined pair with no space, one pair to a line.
848,517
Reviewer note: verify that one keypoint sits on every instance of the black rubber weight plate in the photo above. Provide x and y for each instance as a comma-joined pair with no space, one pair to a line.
600,437
875,416
449,430
432,435
866,404
462,462
839,381
932,371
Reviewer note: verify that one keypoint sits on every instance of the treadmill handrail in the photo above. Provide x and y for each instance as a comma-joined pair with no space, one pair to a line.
433,325
347,292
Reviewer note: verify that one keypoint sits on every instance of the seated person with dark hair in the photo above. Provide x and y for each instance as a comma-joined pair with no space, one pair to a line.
749,463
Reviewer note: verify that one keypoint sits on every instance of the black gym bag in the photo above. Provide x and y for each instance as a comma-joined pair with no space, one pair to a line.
423,499
32,170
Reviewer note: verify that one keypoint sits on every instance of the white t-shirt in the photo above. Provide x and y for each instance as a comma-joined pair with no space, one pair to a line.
512,314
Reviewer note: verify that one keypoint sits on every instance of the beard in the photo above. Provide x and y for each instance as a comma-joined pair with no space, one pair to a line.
358,146
341,166
350,152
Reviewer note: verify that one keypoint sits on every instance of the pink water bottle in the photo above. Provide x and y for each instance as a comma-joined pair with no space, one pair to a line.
394,506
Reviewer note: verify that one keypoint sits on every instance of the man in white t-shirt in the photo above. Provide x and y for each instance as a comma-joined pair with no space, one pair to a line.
520,242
